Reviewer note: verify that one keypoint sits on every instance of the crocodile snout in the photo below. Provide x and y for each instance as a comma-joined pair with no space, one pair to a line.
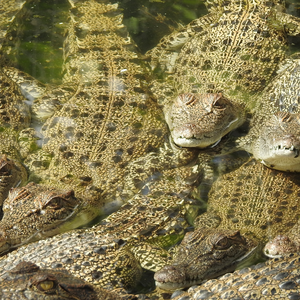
169,277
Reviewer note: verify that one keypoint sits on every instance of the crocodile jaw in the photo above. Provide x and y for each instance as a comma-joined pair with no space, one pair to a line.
278,144
283,163
201,120
280,158
162,277
195,142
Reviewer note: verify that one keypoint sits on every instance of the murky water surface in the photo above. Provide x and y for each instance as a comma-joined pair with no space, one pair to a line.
38,38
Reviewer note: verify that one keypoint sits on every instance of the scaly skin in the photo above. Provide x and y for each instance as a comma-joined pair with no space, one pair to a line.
96,143
234,50
14,116
14,113
28,281
109,139
47,212
252,201
275,279
111,253
8,11
274,132
274,136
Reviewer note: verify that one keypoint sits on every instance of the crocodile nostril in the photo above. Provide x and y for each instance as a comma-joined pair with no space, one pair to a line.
169,274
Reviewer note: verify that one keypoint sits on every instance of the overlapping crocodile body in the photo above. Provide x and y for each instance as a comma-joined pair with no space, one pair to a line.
276,278
110,125
253,201
234,50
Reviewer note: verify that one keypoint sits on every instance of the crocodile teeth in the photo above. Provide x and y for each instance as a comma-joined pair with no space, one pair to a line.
279,147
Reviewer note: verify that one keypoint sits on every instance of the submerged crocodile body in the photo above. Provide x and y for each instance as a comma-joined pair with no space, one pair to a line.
108,140
8,10
99,139
91,253
234,50
109,143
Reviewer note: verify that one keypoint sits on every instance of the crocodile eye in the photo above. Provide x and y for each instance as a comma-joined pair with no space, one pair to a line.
222,243
220,102
55,203
45,285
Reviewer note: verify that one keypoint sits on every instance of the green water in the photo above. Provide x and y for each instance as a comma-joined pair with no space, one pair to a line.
37,43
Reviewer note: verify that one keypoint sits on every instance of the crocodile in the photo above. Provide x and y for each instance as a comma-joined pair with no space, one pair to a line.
98,140
111,253
28,281
282,152
252,203
267,139
234,50
106,142
86,239
246,207
47,211
275,279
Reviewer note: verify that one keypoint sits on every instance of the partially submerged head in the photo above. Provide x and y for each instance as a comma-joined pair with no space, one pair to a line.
279,246
28,281
201,120
46,210
278,143
203,254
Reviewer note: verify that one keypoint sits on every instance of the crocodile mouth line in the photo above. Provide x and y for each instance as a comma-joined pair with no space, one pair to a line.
283,148
195,137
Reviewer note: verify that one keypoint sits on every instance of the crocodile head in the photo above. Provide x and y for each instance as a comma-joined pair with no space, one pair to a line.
27,280
279,246
197,120
278,144
204,253
49,212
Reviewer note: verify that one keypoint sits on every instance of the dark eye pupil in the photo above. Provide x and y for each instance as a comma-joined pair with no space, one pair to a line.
219,104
